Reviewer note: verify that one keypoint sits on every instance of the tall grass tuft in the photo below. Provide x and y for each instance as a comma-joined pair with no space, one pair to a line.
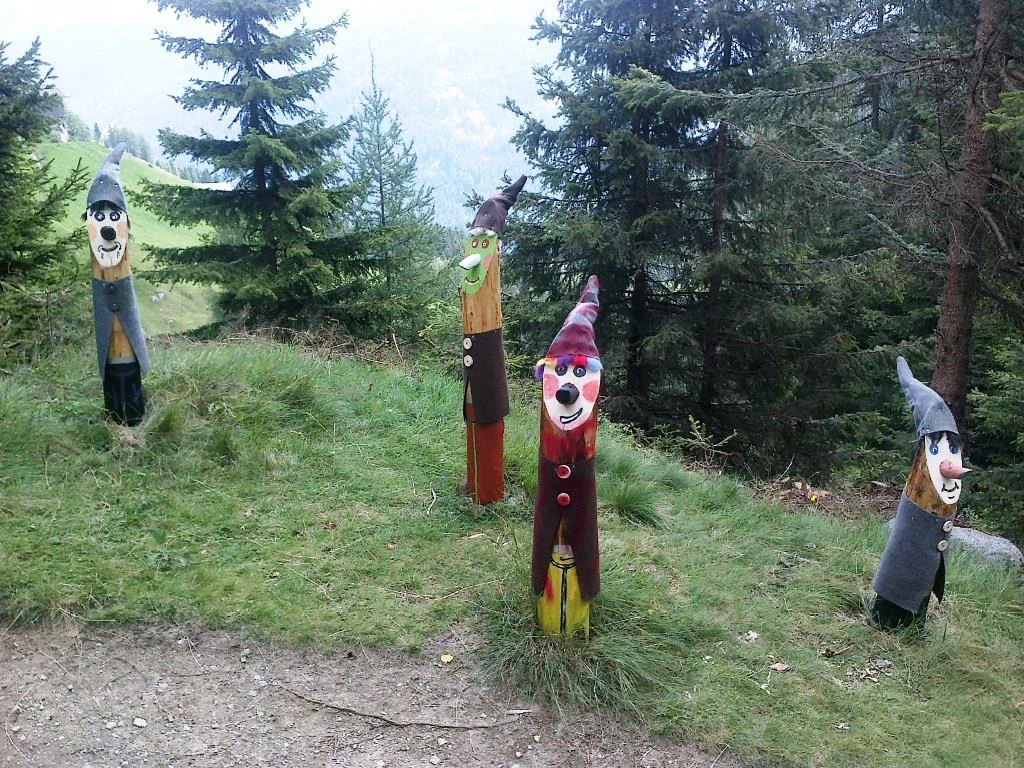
633,500
635,651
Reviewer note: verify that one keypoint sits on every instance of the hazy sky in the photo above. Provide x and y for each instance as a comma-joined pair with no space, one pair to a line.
440,62
110,69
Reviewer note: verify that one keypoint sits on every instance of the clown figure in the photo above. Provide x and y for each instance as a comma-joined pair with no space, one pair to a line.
120,342
565,572
913,565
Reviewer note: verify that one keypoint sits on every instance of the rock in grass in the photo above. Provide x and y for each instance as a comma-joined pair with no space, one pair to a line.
994,549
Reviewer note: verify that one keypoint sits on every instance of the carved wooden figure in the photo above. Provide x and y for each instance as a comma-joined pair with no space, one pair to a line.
485,389
565,573
120,342
913,565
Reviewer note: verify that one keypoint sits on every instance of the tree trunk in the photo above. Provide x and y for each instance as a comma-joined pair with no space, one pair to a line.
638,375
876,87
712,310
960,292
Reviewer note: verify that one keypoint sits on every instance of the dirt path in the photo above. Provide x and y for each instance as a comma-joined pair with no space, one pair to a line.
181,696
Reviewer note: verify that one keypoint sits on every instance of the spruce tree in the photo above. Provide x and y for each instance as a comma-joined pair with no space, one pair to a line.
615,188
32,199
858,130
36,267
394,212
658,202
274,256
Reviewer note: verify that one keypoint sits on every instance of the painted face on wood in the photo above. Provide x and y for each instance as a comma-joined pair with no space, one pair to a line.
108,233
571,387
481,249
945,465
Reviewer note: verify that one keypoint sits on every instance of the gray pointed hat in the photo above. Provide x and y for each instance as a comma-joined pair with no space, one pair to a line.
931,414
491,214
106,187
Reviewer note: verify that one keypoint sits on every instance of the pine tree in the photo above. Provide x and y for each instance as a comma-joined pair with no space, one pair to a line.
33,262
615,187
658,201
394,212
275,259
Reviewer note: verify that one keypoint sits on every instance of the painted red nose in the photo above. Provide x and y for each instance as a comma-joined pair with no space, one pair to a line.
951,471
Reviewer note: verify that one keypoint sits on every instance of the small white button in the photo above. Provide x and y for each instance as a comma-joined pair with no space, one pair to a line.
467,343
467,360
947,526
942,545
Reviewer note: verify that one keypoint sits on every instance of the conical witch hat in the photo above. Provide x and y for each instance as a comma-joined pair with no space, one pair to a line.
106,187
491,214
576,336
931,414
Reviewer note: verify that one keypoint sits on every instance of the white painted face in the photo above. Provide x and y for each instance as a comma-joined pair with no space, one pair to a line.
108,233
570,392
945,465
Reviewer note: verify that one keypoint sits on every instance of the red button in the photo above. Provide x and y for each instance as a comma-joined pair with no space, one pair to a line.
563,471
563,499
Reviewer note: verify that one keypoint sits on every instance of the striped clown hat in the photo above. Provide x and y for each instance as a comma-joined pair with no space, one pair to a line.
574,343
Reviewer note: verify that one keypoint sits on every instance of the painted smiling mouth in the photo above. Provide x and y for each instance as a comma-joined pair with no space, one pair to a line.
570,419
109,248
954,489
471,279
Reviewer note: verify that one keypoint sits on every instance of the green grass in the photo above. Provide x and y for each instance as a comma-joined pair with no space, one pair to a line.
164,308
320,501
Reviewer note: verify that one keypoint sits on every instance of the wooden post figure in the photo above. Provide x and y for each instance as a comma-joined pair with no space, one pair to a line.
565,573
120,342
485,388
913,565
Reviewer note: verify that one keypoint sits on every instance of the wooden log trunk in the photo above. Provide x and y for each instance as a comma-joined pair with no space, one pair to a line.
485,443
485,460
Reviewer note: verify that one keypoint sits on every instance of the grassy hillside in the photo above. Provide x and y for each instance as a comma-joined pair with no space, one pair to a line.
164,308
319,500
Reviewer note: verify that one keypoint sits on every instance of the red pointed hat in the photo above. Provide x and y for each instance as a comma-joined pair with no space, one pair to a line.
577,334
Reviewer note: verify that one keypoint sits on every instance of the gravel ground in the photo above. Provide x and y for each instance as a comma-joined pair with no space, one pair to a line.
176,696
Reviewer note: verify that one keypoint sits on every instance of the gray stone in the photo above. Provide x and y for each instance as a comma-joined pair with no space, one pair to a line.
994,549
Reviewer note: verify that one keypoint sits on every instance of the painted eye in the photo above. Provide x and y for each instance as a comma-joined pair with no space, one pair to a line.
98,216
485,243
933,449
476,243
115,215
954,449
580,371
561,369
